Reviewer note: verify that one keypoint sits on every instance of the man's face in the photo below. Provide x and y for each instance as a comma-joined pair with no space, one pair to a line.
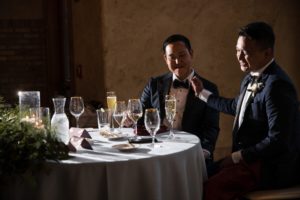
250,55
178,59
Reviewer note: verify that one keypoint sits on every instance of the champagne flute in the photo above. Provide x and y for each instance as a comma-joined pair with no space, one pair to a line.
111,99
152,123
170,108
76,108
135,111
119,113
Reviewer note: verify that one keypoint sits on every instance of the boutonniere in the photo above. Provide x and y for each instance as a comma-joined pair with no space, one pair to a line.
255,88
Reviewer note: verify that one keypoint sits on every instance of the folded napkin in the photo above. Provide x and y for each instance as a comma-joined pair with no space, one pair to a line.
79,139
78,142
79,132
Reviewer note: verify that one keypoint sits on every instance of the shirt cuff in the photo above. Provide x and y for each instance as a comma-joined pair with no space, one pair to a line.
204,94
206,152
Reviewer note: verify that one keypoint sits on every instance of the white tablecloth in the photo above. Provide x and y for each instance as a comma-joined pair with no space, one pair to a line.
174,170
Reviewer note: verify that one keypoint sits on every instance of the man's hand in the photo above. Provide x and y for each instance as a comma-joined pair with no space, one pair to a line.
206,153
237,156
234,158
197,85
227,161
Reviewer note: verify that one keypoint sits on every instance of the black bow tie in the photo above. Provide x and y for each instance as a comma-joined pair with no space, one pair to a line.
181,84
253,79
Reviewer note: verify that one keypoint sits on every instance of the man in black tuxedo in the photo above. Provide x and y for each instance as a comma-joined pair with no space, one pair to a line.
264,151
192,114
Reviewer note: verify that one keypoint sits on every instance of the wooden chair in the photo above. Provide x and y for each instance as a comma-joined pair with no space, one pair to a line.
287,193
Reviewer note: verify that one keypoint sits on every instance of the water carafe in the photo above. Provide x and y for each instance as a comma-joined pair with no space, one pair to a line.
59,121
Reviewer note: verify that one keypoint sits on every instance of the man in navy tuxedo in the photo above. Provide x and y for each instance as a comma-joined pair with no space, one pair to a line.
264,151
192,114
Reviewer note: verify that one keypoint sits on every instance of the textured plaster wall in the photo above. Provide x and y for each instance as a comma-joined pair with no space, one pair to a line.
124,39
87,49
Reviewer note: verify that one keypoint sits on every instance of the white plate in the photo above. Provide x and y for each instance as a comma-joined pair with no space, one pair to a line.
116,137
126,147
112,136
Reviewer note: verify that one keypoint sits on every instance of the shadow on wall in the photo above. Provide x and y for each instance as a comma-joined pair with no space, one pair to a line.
89,118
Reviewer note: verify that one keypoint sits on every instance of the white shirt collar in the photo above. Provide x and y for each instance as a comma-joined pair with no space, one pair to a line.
260,71
190,76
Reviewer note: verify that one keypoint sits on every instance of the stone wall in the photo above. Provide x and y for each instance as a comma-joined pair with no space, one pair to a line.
131,34
117,44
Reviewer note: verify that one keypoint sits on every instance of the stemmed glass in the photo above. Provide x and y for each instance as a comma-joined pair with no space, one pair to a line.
76,108
120,113
152,123
111,99
170,108
135,111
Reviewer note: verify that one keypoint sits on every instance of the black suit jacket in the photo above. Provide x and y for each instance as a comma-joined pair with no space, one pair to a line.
269,129
198,118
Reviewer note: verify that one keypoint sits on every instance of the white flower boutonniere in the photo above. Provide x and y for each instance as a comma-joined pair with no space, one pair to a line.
255,88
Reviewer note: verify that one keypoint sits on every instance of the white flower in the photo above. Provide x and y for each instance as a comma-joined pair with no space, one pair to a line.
255,88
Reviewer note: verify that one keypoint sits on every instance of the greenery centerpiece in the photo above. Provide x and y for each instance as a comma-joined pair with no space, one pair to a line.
24,148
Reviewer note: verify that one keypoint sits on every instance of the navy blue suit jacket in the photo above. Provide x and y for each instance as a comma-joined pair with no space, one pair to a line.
268,132
198,118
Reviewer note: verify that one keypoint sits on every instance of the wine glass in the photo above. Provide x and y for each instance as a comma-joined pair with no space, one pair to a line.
119,113
152,123
76,108
111,99
170,108
135,111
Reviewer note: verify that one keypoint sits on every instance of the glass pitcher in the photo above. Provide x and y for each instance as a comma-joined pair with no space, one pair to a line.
59,121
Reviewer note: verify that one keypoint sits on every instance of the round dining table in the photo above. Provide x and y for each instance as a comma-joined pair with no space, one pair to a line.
173,170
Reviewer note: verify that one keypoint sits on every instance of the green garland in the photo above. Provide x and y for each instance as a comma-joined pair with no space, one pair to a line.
23,148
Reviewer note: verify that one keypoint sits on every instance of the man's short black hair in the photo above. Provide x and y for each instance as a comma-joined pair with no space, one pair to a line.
260,32
176,38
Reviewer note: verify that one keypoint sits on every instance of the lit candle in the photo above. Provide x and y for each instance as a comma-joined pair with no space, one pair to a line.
28,119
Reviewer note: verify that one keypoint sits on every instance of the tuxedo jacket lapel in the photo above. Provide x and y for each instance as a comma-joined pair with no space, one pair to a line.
189,104
163,89
264,76
166,85
238,109
190,101
244,86
262,79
